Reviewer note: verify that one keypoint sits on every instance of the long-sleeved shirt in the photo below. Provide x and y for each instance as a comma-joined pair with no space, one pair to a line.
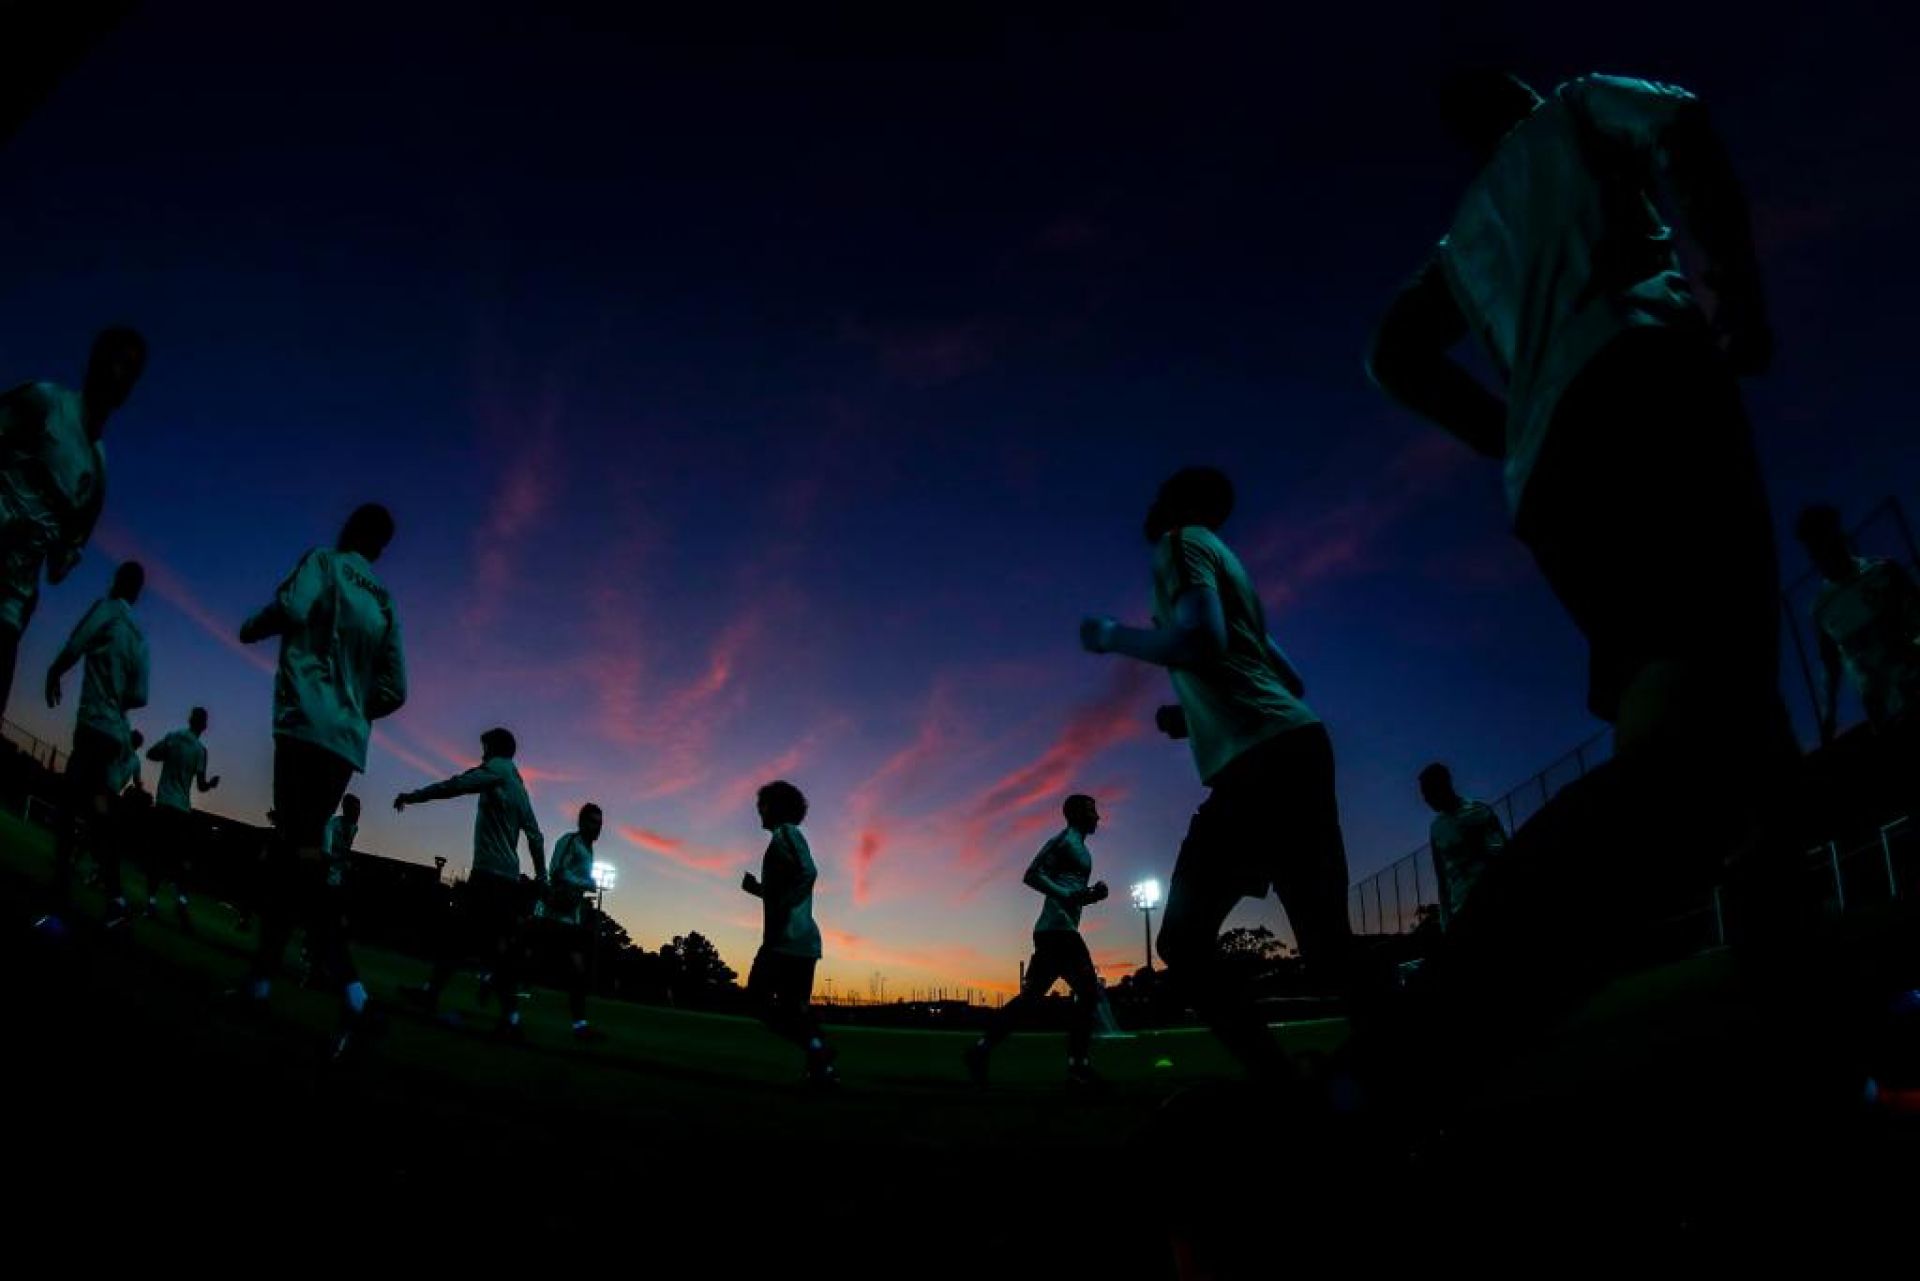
1061,872
110,644
1238,699
53,483
502,816
571,873
1556,250
787,875
341,661
183,761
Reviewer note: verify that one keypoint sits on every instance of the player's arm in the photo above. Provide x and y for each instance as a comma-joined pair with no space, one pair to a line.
204,783
471,783
73,651
1410,361
289,604
1197,634
390,675
536,845
1041,877
65,554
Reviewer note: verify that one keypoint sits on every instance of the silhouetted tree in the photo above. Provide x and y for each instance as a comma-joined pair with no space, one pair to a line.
695,969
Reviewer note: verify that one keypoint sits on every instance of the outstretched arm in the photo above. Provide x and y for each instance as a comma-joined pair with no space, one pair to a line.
474,781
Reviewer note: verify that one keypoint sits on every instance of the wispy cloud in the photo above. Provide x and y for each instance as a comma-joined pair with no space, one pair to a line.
679,850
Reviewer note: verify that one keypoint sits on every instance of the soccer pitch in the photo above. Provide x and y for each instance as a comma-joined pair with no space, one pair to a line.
660,1070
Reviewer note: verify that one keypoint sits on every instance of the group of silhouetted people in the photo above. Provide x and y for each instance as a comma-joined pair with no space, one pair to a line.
1630,476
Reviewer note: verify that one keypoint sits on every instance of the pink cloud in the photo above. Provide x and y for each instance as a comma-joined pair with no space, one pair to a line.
677,850
1118,715
844,945
976,828
525,491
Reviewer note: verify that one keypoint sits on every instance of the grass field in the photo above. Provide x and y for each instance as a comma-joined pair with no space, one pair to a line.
1669,1104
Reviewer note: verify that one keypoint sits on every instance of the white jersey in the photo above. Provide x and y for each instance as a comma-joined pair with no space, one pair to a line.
53,482
504,813
1557,249
1465,843
1060,871
787,875
109,642
572,875
341,663
183,761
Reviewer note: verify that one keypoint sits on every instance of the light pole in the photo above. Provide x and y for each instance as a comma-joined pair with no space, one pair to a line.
1146,897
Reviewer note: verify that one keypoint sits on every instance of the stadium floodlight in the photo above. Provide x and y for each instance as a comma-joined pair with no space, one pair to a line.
604,875
1146,897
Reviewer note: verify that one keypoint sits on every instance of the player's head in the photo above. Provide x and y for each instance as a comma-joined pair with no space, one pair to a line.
128,580
1191,496
1082,814
780,803
498,742
367,531
350,808
197,720
591,821
1480,107
118,358
1825,538
1436,788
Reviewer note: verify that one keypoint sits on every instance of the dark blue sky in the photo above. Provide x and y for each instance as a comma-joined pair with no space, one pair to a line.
765,394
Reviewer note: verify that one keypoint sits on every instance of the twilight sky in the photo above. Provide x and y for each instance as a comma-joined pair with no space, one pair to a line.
764,398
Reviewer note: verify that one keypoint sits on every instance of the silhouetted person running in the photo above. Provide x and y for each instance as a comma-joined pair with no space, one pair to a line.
1060,873
494,901
1629,466
780,985
1271,818
1466,837
183,767
53,479
110,643
565,909
1868,616
342,667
